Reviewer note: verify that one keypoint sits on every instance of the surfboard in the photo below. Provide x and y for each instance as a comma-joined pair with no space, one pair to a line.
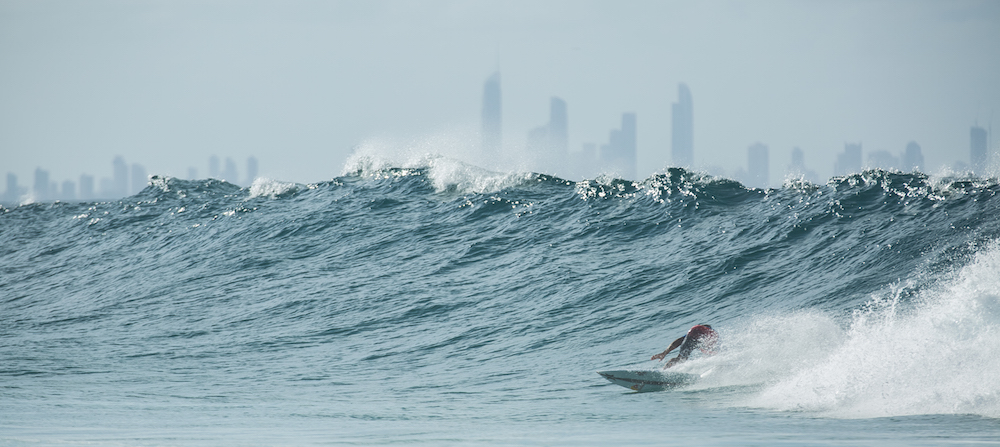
649,380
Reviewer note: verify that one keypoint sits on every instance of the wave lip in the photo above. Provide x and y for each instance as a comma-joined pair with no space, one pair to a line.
265,187
445,173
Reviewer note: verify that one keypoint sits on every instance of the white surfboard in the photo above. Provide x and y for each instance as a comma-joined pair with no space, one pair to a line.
648,380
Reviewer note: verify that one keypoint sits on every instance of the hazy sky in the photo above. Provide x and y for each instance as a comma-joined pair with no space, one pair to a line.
297,84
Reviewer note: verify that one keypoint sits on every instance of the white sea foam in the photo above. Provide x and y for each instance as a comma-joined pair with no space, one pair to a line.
940,355
449,159
265,187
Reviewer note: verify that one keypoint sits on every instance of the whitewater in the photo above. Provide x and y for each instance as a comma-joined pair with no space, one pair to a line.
424,300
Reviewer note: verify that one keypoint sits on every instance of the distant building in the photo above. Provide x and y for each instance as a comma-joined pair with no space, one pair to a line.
229,174
758,163
139,178
41,186
119,171
558,127
14,191
913,158
68,190
87,187
883,160
682,147
978,157
492,131
548,144
583,164
619,155
848,162
107,188
213,167
538,145
797,169
192,173
251,170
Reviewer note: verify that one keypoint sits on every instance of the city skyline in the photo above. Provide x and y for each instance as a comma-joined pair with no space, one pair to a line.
546,148
164,83
125,180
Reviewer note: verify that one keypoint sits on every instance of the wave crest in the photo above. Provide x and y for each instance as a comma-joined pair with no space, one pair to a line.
937,356
381,159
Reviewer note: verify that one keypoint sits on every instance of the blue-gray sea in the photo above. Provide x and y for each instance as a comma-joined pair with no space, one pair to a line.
443,304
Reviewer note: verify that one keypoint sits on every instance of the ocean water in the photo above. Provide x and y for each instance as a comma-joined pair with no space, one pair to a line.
437,303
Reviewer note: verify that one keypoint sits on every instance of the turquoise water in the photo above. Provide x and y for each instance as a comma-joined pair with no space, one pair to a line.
442,304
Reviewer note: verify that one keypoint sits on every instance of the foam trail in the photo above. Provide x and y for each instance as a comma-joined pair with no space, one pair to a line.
940,356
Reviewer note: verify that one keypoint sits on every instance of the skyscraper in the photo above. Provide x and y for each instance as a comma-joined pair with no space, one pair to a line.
13,193
119,185
41,187
86,187
978,157
492,132
798,167
619,155
139,178
682,148
558,127
547,144
913,158
849,161
758,164
229,173
628,148
68,190
213,167
883,160
251,170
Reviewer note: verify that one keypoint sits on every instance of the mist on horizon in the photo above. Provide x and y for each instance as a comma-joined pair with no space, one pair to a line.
753,92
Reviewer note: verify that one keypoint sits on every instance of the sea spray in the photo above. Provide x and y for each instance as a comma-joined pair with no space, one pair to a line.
938,354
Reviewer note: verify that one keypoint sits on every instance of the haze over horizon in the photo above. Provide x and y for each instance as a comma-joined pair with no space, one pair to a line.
298,84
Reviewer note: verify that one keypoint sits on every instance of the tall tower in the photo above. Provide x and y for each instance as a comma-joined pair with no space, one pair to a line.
13,190
41,188
913,158
798,167
629,148
139,178
977,149
120,176
86,187
251,170
492,132
619,155
758,164
848,162
229,173
548,144
213,167
558,127
682,149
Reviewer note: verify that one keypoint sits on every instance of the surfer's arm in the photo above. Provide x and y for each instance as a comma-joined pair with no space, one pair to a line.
673,346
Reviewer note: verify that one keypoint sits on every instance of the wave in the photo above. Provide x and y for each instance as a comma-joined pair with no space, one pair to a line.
439,158
937,353
870,295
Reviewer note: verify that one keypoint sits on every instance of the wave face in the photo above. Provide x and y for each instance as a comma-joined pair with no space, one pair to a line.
874,295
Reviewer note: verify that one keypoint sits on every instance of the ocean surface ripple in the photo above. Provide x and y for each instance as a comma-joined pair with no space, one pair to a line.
367,308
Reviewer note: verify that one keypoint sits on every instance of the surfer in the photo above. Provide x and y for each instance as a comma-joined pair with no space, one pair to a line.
701,336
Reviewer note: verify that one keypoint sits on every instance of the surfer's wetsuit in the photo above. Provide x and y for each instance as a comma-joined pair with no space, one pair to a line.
701,336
